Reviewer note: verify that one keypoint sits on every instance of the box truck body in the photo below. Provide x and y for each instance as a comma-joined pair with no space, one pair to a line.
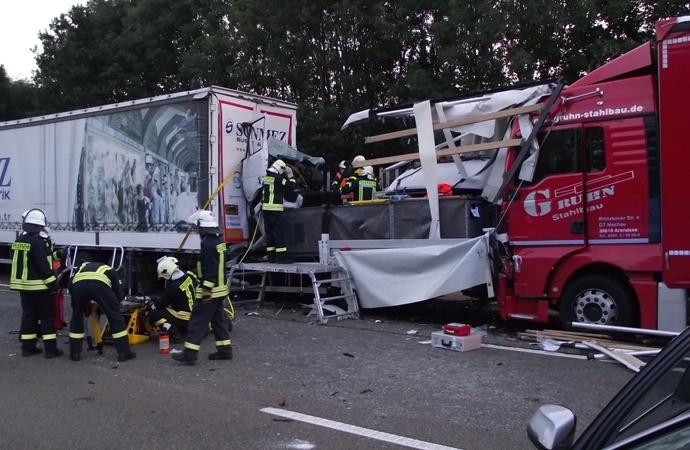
130,174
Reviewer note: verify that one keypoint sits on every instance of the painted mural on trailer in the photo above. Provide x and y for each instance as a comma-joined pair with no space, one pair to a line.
139,170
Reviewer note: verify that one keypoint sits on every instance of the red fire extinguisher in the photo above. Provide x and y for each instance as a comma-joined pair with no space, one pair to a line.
163,343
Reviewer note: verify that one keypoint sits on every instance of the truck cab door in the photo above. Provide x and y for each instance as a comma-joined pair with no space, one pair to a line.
548,210
545,219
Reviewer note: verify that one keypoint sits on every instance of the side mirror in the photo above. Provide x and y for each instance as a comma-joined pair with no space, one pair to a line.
552,427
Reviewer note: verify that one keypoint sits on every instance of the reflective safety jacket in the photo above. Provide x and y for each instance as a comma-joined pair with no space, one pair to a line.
276,188
211,267
32,265
360,188
339,182
102,273
178,296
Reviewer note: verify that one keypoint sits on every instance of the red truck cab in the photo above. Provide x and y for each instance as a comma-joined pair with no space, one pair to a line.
599,233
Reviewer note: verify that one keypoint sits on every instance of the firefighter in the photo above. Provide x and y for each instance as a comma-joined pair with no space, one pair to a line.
100,283
339,180
358,159
171,311
33,276
277,186
361,187
209,295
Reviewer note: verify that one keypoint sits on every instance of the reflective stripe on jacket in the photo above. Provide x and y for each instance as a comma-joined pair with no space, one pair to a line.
103,273
32,268
276,189
211,267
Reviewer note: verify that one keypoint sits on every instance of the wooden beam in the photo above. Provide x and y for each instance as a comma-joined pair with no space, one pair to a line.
444,152
456,122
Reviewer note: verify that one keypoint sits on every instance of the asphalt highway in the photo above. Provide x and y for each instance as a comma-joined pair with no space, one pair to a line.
372,383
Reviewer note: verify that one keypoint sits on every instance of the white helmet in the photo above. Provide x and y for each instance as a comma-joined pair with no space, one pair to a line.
279,165
34,220
207,219
166,267
35,216
358,158
343,164
368,170
204,219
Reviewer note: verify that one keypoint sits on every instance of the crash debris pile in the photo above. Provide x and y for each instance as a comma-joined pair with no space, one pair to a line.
605,346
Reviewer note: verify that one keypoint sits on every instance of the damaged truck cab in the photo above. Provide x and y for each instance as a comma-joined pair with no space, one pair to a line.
598,231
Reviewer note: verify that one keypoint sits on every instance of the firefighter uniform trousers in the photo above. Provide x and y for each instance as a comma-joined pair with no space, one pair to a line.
82,293
203,312
274,225
37,305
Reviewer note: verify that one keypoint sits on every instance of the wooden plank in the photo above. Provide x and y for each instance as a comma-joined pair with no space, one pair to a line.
627,360
456,123
572,334
444,152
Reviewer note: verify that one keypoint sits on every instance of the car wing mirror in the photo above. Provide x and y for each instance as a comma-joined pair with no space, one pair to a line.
552,427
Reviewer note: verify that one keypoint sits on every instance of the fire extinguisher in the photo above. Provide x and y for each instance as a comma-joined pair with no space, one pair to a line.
163,343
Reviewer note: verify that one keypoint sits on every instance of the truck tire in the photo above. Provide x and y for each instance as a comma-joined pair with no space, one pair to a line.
597,299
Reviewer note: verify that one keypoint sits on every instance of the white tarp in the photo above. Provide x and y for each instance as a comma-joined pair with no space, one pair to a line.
400,276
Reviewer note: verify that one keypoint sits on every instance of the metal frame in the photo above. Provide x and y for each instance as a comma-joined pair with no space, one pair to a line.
339,275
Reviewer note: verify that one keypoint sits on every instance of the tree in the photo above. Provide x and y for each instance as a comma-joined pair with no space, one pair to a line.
332,57
17,98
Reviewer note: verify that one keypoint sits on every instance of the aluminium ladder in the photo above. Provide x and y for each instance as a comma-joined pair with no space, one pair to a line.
338,278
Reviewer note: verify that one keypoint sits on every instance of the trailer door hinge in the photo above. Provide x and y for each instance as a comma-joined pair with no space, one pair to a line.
212,139
213,107
212,170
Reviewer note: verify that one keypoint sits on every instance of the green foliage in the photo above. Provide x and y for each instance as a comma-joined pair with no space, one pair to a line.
332,57
17,98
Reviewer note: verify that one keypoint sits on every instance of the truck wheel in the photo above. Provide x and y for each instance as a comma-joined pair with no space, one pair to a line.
598,300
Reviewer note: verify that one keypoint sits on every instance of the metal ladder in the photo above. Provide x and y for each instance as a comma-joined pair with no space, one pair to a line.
339,279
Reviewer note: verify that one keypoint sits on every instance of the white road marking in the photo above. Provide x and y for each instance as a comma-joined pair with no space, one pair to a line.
366,432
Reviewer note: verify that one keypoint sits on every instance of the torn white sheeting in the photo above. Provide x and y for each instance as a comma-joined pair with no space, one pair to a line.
356,117
492,103
400,276
427,156
471,106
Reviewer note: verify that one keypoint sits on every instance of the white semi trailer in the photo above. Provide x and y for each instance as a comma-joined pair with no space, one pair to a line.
128,175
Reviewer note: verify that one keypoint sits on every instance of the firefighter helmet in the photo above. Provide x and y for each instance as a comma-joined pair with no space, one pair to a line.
207,219
343,164
34,221
368,170
279,165
359,158
166,267
204,219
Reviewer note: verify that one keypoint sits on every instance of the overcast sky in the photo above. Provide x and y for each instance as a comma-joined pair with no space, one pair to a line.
20,23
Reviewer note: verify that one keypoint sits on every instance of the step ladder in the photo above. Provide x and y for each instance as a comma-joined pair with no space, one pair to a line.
323,276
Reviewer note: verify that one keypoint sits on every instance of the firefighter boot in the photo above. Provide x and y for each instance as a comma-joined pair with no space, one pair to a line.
224,353
75,348
126,356
52,350
123,351
186,356
30,348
